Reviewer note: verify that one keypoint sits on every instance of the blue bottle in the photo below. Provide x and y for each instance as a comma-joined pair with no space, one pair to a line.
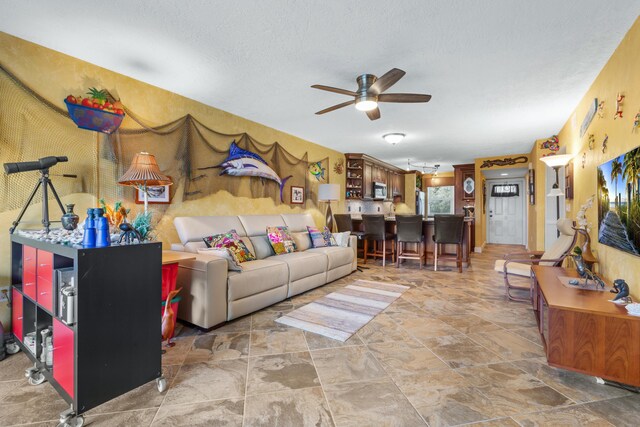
102,229
89,236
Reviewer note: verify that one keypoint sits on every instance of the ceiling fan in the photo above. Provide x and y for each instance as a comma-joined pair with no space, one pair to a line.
370,92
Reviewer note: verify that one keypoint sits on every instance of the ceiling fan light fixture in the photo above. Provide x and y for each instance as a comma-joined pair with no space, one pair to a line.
366,104
393,138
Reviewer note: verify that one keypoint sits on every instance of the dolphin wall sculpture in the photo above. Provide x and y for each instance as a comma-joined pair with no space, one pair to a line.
241,162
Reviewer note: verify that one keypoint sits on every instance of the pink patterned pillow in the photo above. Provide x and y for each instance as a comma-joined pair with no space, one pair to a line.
281,240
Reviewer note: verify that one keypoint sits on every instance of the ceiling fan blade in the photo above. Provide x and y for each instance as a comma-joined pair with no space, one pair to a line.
374,114
403,97
334,89
386,81
335,107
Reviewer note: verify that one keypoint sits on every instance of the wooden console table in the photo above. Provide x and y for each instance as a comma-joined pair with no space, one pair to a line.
582,331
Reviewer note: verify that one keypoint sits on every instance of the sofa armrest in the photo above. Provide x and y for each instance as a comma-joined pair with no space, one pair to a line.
353,244
204,290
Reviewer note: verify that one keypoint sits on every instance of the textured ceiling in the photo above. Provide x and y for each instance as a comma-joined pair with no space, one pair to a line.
502,72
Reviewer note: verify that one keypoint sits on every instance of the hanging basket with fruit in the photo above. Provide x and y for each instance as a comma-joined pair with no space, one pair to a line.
95,112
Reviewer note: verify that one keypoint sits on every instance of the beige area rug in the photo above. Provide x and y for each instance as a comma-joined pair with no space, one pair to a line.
340,314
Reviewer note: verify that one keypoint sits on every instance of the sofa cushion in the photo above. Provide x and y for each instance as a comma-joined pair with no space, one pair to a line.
302,239
194,228
337,255
194,247
233,242
257,276
281,240
304,264
262,246
298,222
256,225
321,238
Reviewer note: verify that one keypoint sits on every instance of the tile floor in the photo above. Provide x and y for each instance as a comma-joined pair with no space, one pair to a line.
451,351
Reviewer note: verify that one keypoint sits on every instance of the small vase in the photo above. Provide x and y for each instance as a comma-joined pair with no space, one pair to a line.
70,219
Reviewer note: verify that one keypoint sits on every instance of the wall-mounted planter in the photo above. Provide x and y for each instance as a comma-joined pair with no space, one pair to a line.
93,118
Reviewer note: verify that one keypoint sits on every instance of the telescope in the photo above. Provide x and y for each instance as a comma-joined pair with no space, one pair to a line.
41,164
43,183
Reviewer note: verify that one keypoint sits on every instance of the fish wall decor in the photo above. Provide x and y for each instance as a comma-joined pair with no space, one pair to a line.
241,162
317,170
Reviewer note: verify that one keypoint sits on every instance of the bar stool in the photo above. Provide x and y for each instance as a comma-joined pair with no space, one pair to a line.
409,230
375,230
344,222
448,229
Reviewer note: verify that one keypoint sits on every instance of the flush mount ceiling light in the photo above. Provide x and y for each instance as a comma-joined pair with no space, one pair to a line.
504,174
393,138
425,168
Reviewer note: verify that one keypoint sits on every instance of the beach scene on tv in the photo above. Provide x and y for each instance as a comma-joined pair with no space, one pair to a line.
619,202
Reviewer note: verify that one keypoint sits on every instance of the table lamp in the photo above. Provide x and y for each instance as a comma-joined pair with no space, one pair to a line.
143,173
328,193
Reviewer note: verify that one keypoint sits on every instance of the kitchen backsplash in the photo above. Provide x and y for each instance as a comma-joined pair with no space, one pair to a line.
369,207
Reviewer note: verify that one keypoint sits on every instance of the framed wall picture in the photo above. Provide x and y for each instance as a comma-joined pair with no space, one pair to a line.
158,195
297,195
532,187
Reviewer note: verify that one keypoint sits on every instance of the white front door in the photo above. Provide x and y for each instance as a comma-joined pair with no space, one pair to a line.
505,215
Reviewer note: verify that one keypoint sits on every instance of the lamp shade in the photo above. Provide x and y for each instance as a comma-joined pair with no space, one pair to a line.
557,160
144,170
555,192
328,192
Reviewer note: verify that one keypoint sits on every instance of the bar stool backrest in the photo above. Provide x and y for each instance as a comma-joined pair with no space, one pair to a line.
448,228
409,228
343,222
374,227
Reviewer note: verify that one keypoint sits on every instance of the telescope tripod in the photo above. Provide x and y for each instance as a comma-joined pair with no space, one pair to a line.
45,183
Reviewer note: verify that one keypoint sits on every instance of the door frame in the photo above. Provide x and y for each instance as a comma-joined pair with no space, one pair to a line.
523,199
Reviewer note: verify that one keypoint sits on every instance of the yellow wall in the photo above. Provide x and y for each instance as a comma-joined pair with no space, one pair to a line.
54,76
620,74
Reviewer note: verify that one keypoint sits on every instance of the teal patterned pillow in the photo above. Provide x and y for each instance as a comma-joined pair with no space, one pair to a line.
321,239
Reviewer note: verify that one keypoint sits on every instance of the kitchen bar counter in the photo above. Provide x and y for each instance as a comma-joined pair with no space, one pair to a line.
428,231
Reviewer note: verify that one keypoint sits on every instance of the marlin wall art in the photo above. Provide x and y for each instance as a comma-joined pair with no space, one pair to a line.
245,163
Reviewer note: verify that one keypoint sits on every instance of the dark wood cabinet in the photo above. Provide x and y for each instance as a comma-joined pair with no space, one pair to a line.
465,186
371,170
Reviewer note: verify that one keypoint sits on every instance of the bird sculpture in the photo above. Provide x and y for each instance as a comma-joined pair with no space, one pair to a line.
169,319
620,288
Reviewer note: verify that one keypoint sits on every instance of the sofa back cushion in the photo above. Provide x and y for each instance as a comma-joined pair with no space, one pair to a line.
256,225
298,222
262,247
196,228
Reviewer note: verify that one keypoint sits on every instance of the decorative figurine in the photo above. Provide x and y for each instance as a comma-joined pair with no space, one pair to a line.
604,143
129,234
592,141
584,159
620,288
636,122
619,102
601,110
169,319
551,144
583,270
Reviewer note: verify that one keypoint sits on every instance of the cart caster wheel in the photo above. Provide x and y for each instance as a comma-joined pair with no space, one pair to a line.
162,384
72,422
36,378
12,348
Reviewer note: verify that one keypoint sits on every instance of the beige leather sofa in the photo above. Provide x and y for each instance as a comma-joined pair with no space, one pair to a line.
212,295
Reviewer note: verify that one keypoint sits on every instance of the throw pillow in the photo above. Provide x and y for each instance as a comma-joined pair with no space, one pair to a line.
281,240
342,239
232,262
303,242
321,238
232,241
